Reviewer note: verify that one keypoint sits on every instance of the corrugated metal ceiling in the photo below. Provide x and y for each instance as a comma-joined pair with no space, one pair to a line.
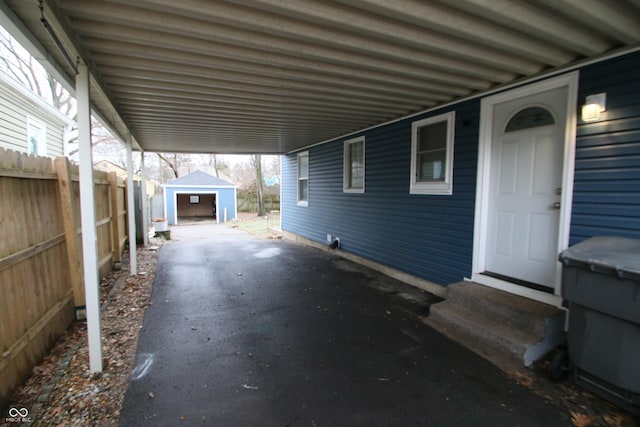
271,76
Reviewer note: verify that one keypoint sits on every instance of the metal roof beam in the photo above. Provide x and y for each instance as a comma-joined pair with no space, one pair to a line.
382,72
205,115
523,30
278,75
131,85
451,53
232,111
530,18
277,55
619,23
429,23
208,25
226,80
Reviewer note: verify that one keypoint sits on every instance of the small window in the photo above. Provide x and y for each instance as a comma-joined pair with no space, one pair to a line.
194,199
354,165
432,155
528,118
303,179
36,137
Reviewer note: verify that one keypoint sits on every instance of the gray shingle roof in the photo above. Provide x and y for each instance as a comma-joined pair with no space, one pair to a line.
198,178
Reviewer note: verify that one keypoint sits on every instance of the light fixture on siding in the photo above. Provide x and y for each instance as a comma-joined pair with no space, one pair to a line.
594,105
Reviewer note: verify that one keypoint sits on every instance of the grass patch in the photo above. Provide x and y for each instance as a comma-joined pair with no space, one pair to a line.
256,225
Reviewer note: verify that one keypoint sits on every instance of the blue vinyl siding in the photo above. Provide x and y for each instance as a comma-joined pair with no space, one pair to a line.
429,236
606,199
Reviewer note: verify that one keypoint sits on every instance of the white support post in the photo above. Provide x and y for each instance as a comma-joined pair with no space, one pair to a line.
88,218
131,208
143,196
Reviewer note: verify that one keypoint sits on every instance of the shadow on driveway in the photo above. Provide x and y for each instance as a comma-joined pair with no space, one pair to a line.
254,332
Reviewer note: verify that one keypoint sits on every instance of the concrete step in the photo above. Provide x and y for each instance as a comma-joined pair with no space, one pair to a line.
521,313
508,330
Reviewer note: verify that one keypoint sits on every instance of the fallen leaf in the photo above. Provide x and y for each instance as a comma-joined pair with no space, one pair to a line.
581,420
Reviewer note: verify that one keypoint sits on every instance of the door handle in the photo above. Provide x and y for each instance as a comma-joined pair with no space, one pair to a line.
556,205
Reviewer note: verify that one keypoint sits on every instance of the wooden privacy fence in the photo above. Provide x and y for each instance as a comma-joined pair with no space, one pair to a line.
41,278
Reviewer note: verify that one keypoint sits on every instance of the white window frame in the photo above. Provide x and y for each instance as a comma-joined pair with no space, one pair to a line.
347,168
299,178
436,187
39,128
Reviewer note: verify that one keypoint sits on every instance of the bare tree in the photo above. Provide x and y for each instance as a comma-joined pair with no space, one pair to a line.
61,99
172,161
218,164
178,163
214,159
256,162
20,64
23,67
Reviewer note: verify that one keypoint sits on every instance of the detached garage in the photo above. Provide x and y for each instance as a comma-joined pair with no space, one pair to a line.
199,196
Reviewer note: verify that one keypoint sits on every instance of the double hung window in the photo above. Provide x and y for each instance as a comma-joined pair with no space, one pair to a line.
303,178
432,155
353,181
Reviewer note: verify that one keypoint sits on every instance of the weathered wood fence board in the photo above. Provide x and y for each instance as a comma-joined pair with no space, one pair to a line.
41,254
70,219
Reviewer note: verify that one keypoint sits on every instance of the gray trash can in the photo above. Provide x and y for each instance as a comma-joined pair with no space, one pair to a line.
601,281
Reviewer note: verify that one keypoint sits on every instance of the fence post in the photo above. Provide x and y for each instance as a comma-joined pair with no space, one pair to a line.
67,203
115,218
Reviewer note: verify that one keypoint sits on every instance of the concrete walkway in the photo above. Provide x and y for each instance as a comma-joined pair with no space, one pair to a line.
253,332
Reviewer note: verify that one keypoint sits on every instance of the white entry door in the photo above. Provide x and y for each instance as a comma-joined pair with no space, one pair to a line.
525,188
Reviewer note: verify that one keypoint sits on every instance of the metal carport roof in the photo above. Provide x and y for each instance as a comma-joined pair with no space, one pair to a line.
270,76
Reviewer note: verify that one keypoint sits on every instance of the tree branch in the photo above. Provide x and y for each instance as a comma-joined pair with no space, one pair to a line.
173,167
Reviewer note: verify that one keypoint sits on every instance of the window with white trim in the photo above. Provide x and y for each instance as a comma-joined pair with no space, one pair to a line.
36,137
353,175
303,178
432,155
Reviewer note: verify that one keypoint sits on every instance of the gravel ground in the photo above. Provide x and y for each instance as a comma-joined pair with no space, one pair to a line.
61,392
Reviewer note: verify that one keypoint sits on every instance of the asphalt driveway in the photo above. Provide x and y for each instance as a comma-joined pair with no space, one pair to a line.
255,332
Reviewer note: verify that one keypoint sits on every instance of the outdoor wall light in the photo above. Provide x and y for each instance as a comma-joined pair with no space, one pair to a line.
594,105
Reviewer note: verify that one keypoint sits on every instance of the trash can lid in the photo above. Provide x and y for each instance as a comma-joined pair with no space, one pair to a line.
618,256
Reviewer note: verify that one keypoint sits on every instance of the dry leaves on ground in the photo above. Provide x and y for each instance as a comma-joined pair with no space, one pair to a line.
583,407
61,391
581,420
